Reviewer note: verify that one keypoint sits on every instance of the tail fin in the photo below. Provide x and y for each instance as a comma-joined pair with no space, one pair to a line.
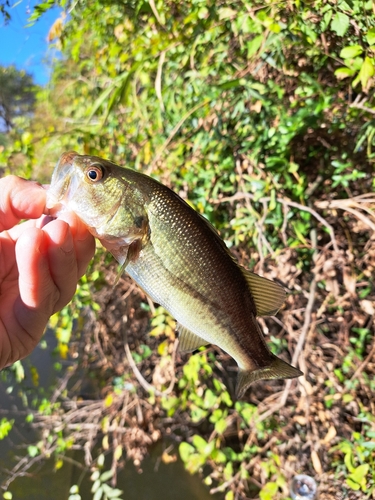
276,369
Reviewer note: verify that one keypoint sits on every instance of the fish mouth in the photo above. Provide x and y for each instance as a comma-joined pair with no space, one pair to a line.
62,185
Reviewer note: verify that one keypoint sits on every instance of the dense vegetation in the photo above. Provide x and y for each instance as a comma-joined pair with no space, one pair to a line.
261,115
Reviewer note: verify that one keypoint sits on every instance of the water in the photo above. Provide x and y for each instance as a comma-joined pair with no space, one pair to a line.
158,481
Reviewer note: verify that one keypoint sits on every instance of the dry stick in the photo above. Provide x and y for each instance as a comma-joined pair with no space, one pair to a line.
147,386
364,363
21,468
289,203
364,196
63,383
159,72
156,13
302,337
354,201
360,216
359,105
353,205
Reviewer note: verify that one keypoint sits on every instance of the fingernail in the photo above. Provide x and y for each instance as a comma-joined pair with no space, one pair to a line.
68,244
83,233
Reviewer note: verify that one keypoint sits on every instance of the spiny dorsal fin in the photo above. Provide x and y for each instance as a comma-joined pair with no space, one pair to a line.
188,341
268,295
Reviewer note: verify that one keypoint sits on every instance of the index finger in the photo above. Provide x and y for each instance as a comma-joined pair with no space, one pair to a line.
20,199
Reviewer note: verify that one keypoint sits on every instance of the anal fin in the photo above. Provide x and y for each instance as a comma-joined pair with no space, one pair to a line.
189,341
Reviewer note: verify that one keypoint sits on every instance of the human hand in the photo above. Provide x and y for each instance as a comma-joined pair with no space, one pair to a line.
41,261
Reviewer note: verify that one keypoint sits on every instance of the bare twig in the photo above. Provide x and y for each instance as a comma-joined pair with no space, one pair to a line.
360,104
61,387
146,385
302,337
158,91
353,205
156,13
364,363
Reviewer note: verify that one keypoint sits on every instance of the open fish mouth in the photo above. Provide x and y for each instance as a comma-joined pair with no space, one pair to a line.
62,186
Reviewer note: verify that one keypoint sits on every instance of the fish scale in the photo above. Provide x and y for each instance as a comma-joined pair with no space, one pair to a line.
177,258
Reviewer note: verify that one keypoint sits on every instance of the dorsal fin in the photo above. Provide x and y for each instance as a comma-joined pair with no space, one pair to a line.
268,295
188,341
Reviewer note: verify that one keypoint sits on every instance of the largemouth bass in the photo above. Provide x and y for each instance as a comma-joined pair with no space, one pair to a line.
177,258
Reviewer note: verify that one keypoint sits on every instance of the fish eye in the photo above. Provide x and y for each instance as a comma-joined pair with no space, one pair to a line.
94,173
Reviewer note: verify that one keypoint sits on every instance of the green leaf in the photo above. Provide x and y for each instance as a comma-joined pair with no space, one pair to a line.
228,471
114,493
371,36
220,426
225,397
226,13
111,492
355,63
351,51
95,486
195,463
348,460
218,456
340,23
254,45
5,427
232,83
106,475
95,475
272,204
98,494
33,451
353,485
19,371
359,474
199,443
324,23
342,73
366,72
268,491
275,27
210,399
185,450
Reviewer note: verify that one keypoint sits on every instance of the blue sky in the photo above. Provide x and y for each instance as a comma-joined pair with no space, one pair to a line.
27,48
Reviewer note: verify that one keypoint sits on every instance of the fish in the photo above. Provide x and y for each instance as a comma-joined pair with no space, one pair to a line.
177,257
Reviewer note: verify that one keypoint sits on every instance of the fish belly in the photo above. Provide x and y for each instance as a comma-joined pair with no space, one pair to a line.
184,303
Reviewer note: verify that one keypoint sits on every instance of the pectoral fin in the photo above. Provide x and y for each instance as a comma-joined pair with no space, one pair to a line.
125,254
268,295
188,341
